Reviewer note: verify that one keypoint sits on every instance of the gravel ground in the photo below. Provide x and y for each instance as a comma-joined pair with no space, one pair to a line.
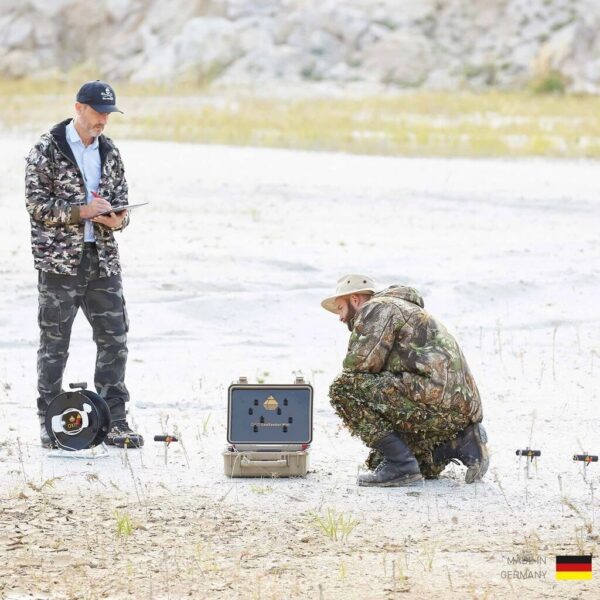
223,274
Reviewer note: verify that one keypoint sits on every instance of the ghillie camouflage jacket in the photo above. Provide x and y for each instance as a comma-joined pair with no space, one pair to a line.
392,332
54,191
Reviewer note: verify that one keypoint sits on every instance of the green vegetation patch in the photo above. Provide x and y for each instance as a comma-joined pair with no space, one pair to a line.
541,122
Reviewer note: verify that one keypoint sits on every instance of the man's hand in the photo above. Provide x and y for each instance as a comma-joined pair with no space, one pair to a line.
96,206
112,221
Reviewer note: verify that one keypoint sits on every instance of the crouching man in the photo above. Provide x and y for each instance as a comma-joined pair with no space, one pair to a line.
406,389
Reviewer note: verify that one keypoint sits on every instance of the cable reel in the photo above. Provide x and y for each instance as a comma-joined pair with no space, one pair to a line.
79,419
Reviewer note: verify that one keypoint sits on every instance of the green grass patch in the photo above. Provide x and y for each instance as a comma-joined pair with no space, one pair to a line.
124,526
541,122
337,526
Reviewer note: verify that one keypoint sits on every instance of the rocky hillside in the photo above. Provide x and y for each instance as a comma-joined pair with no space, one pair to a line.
435,44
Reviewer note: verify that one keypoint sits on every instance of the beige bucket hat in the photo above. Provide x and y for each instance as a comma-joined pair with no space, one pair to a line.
347,285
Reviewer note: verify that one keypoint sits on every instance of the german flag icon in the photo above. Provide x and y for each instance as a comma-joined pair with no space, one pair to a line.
573,567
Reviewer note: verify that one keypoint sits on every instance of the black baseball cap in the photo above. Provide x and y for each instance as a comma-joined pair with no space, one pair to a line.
99,95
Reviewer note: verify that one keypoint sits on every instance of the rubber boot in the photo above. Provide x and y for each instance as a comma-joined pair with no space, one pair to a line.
46,441
470,448
398,468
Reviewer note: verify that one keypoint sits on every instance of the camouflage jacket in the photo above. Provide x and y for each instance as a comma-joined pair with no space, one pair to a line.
392,332
54,191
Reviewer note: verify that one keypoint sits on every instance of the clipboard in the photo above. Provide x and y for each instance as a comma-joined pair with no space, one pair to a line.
118,209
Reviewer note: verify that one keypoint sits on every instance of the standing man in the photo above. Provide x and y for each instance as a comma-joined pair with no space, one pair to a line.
73,174
406,389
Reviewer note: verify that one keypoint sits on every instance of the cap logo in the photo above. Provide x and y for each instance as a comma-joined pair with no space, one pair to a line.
107,94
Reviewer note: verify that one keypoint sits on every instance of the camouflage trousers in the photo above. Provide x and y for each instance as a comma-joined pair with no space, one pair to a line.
375,405
101,300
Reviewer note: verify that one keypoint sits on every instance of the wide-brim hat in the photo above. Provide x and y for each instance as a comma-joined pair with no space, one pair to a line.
346,286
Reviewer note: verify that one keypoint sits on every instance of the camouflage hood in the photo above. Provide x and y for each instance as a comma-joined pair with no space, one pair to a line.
401,292
54,191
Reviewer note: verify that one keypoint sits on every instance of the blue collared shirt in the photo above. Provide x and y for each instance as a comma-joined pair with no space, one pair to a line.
88,161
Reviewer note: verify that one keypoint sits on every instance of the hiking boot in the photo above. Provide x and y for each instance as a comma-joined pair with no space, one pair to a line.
470,448
122,436
46,441
398,468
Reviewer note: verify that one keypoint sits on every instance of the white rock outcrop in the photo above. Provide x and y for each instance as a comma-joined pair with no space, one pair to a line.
436,44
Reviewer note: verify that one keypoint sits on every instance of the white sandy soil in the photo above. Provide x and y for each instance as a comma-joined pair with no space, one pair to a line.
223,275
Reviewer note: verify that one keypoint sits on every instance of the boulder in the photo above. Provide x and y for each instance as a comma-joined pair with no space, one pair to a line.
45,32
347,23
254,34
400,16
270,63
318,42
238,9
47,9
118,10
158,66
206,46
18,63
402,59
18,34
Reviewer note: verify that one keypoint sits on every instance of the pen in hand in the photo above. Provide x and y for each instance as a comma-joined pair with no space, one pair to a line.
95,207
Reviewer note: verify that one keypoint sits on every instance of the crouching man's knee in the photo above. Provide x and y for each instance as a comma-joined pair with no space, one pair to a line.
347,400
341,388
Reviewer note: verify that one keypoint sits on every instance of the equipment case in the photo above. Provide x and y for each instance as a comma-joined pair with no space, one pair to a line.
269,429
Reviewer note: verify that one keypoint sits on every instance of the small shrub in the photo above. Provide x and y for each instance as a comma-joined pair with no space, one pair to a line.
552,82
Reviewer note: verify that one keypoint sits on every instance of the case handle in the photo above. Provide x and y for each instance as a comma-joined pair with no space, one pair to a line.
246,462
